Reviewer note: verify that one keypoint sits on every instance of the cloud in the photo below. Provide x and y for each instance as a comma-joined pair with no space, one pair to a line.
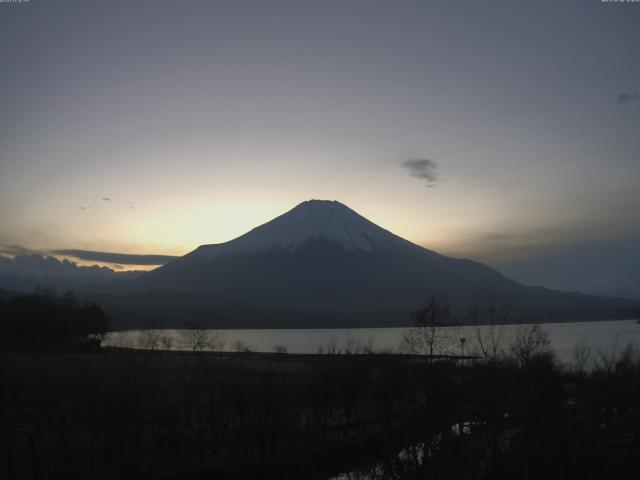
17,250
609,267
27,271
627,98
89,255
499,243
119,258
423,169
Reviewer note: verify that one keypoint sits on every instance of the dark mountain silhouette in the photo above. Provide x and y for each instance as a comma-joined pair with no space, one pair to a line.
323,264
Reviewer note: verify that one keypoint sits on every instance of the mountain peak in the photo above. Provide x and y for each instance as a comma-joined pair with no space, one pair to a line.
313,219
317,201
316,204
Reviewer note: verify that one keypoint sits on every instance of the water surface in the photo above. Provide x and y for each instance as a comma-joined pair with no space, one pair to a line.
598,336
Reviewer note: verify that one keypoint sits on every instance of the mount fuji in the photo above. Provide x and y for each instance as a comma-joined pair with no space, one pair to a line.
313,219
321,264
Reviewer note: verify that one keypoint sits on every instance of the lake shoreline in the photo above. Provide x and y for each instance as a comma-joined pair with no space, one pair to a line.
564,336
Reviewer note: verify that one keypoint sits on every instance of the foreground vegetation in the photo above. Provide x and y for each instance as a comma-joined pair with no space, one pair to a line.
70,410
137,414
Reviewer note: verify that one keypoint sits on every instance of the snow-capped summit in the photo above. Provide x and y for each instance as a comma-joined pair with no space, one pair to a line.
313,219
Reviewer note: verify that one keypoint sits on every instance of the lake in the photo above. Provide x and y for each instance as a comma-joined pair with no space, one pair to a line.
604,337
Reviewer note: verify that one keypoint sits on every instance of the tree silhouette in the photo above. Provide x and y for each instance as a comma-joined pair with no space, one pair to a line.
429,334
44,321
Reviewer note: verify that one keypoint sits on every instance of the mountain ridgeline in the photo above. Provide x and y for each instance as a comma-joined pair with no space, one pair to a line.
322,264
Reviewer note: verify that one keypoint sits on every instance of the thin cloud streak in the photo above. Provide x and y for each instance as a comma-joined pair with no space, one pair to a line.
117,258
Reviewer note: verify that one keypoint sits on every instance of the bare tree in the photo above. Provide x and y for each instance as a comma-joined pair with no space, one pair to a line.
280,348
489,315
368,346
430,333
195,339
581,356
617,360
356,345
606,358
217,341
149,339
530,342
331,347
167,342
352,345
240,346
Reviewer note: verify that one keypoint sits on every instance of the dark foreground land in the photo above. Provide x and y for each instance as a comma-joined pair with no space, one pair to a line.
135,414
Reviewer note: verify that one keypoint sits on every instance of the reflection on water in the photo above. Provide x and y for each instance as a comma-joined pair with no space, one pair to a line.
407,460
599,336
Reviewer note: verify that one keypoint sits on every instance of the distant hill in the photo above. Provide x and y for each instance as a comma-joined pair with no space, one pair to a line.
322,264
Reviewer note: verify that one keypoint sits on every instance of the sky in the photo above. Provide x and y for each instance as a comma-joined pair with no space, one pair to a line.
504,131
